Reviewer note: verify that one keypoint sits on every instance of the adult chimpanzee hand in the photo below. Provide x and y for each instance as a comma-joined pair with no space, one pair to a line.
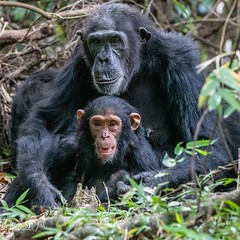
152,178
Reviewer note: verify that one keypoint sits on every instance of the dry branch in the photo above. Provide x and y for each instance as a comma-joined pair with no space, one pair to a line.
12,36
27,6
49,15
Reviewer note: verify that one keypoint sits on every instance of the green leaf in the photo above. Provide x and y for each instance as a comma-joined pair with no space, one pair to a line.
199,143
228,111
19,13
214,101
168,162
24,209
43,234
178,150
220,110
232,205
202,152
182,8
210,87
131,232
22,197
230,98
228,77
179,219
202,100
133,183
4,204
181,159
6,152
101,208
235,65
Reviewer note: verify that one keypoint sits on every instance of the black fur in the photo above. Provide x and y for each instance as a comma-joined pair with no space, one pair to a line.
134,153
158,77
30,92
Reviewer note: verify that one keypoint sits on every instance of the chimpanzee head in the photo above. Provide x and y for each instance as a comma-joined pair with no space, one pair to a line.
108,125
112,40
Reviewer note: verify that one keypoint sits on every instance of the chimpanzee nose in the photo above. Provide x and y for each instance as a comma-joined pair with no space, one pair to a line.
104,134
103,59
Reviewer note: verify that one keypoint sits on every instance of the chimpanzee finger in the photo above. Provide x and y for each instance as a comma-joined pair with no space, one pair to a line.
57,196
122,188
140,176
60,200
120,175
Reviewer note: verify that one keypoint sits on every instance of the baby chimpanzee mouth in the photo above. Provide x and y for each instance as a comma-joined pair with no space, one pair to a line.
105,152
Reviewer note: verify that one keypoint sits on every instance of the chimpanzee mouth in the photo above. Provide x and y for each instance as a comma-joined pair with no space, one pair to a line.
106,152
107,81
108,86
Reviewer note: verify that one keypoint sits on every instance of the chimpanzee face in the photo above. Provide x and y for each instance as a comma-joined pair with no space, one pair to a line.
109,51
113,48
105,130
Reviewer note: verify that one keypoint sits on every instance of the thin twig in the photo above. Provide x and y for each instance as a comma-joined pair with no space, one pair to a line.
108,200
198,127
206,21
225,25
226,144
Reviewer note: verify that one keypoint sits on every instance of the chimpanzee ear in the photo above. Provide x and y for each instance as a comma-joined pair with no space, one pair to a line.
145,34
80,113
135,120
79,33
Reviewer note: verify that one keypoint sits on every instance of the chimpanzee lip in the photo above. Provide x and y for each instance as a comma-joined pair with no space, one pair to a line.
107,81
105,152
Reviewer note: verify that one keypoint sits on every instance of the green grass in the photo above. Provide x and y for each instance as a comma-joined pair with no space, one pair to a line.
186,213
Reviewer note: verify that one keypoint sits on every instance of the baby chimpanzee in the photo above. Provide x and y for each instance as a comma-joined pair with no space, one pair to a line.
112,145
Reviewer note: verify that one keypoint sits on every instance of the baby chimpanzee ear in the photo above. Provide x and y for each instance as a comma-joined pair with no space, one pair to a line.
135,120
80,113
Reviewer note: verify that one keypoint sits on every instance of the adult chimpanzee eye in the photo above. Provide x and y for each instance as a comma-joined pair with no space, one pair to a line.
94,41
115,40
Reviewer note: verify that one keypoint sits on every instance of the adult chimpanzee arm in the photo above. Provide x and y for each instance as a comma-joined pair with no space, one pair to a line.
182,172
180,84
27,95
44,160
45,147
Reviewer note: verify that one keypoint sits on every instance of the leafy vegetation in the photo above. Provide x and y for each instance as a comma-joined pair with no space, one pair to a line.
190,212
222,85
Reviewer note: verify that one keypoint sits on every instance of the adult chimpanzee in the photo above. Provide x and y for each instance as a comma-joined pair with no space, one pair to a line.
111,140
123,54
